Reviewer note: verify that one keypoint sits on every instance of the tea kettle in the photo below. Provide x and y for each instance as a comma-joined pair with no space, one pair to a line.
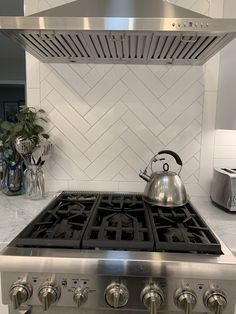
164,188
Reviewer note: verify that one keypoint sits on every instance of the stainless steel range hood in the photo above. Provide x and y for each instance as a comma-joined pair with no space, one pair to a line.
120,31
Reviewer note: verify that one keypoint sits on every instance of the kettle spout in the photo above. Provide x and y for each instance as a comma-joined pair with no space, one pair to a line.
144,176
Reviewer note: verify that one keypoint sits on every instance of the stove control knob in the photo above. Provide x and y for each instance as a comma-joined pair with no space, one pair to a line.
80,296
19,293
116,295
152,298
48,294
215,300
186,300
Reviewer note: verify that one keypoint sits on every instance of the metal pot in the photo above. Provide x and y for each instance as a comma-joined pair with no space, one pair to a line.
164,188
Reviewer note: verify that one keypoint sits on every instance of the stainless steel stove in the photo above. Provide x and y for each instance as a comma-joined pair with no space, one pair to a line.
91,252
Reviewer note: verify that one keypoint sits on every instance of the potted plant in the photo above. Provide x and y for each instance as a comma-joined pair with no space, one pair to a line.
28,126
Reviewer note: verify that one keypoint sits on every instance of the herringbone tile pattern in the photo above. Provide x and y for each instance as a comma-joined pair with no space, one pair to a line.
107,121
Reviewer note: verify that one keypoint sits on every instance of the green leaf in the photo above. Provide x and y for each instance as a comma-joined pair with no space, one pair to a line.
45,135
42,111
18,127
38,129
6,125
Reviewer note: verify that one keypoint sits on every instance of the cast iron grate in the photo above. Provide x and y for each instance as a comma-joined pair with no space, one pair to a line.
119,222
116,221
181,229
61,224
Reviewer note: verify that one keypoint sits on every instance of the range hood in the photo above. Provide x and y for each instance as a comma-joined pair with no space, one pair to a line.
120,31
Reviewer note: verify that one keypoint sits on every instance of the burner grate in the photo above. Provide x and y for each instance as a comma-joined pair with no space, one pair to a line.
116,221
62,224
119,222
181,229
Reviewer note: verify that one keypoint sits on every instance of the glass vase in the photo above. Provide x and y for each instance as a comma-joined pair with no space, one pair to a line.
13,178
34,182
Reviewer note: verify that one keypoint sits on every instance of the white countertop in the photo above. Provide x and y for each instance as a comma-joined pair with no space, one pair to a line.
17,211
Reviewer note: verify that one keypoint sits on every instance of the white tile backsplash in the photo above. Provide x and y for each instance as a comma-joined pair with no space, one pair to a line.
106,103
68,93
142,112
106,121
225,149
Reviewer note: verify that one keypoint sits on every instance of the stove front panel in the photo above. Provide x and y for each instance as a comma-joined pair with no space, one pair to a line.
97,285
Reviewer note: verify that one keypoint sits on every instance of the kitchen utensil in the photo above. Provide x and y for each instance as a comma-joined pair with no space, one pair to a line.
25,147
42,152
164,188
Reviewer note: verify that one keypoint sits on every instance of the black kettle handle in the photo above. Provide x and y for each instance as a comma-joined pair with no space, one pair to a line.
173,154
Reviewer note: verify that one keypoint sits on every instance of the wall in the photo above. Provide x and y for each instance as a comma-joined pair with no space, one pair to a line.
225,139
226,109
107,121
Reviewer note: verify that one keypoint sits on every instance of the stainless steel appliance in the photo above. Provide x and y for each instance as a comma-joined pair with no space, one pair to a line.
164,188
223,188
90,252
124,31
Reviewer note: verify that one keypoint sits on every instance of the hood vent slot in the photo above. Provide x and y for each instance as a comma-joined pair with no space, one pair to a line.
120,31
120,47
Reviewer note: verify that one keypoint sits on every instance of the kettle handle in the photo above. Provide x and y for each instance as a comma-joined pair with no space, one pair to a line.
173,154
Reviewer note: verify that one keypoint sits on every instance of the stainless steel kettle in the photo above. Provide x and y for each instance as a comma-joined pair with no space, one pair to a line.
164,188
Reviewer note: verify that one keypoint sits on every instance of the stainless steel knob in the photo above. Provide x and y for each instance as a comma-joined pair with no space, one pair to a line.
80,296
48,294
215,300
152,298
185,299
19,293
116,295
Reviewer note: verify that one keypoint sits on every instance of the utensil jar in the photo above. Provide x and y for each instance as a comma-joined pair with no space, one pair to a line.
34,182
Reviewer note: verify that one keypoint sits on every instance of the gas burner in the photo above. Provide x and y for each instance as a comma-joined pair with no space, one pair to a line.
112,221
182,234
181,229
61,224
119,222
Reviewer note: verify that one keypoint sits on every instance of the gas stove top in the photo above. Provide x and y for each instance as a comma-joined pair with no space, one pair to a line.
109,221
112,252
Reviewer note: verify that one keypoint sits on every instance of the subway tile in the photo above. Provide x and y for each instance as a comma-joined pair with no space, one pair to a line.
97,73
67,92
112,170
137,145
69,149
106,103
105,84
225,137
105,140
71,134
142,92
77,122
189,77
142,132
72,78
148,79
32,72
141,111
105,159
175,110
180,123
106,121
